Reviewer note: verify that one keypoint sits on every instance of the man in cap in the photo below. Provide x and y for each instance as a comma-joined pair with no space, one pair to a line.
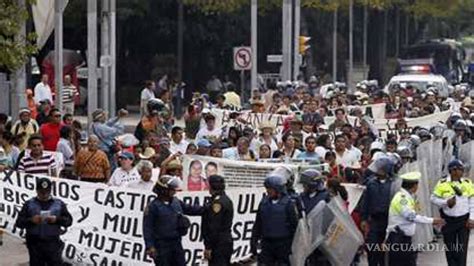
402,222
126,172
275,224
164,223
314,192
44,218
375,207
25,126
217,223
454,195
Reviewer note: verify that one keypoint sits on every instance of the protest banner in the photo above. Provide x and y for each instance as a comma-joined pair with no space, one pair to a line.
244,174
223,118
375,111
107,226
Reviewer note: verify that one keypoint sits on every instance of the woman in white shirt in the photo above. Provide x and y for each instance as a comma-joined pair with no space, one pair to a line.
289,150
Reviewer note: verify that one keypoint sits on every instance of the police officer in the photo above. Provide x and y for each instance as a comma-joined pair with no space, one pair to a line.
45,219
402,222
217,223
313,193
164,223
375,207
275,224
454,195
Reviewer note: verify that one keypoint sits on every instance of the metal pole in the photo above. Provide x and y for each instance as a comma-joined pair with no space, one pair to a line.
242,86
58,52
113,55
334,47
254,70
366,18
296,40
91,58
397,32
180,58
104,51
286,39
351,45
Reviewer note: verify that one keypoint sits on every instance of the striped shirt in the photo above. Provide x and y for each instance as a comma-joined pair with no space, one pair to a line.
68,93
45,165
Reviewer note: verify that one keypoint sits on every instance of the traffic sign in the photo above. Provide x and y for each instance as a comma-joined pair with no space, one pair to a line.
242,58
274,58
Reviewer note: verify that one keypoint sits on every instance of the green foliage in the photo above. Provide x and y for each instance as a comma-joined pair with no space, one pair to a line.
14,51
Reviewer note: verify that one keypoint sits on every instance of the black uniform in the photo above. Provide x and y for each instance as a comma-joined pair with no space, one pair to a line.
42,240
216,229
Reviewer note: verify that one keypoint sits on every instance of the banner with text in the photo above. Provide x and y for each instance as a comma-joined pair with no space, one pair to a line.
107,226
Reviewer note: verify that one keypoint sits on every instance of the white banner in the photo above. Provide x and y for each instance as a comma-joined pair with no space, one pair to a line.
243,174
107,226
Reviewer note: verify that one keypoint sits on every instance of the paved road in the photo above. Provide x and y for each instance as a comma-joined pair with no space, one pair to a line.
14,253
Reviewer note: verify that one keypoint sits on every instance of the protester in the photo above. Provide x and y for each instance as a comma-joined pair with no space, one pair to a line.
126,172
145,183
69,94
178,143
43,91
44,218
210,132
11,151
92,164
51,130
147,94
24,127
36,161
65,147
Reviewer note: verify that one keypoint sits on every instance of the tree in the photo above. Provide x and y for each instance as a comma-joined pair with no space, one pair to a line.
14,50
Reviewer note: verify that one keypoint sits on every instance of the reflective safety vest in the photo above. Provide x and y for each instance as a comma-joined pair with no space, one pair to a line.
447,189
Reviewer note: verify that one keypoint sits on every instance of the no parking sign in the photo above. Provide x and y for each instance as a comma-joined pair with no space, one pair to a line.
242,58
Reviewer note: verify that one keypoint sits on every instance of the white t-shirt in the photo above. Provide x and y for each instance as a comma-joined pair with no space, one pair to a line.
140,185
348,159
120,176
206,133
181,147
43,92
321,151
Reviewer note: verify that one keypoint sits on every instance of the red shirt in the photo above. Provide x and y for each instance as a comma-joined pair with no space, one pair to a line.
50,134
197,186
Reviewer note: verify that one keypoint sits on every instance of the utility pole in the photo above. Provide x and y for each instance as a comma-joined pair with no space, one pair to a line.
254,70
334,47
18,95
58,52
286,39
296,40
105,53
113,55
351,45
364,52
179,87
91,58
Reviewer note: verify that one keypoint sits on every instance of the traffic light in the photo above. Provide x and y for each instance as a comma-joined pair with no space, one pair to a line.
302,41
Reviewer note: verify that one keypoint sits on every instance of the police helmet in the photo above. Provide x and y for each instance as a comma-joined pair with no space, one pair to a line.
384,164
43,184
285,172
277,183
377,145
405,152
454,118
415,141
455,164
216,182
424,134
313,179
166,183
